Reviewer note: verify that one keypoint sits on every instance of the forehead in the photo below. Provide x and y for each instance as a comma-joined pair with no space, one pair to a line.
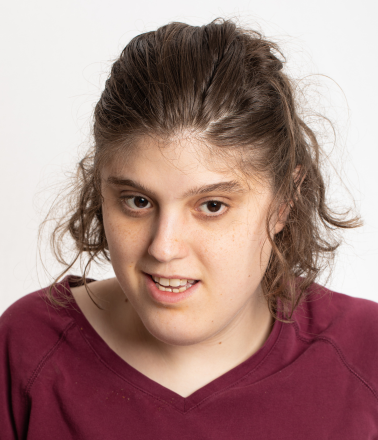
186,159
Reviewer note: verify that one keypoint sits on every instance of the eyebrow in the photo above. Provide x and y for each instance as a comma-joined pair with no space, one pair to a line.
231,187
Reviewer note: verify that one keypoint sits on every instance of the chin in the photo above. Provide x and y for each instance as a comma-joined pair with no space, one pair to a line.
173,334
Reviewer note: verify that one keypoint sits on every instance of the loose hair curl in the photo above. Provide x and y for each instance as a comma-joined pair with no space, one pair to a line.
226,86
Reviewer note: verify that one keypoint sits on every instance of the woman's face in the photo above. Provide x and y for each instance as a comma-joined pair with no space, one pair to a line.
175,229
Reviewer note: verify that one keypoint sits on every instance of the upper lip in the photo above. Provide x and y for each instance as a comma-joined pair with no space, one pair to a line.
180,277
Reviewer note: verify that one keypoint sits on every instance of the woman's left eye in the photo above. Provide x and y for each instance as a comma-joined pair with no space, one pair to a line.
214,207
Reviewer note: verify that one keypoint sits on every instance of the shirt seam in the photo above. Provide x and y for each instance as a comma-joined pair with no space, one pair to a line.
164,401
341,356
242,378
115,372
45,358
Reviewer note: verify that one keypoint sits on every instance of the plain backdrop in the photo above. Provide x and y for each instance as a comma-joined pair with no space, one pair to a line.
55,58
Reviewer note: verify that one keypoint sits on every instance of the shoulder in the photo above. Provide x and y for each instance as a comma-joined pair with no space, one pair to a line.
348,323
29,329
34,314
329,313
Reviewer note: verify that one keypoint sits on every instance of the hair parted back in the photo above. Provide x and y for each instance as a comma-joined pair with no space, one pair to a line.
226,86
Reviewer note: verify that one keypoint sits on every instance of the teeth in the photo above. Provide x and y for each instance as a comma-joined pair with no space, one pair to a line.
164,281
173,282
167,289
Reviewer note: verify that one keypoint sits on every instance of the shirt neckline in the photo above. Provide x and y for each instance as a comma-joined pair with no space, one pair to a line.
148,386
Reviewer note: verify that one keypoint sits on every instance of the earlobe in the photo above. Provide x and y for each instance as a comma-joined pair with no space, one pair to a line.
284,210
282,217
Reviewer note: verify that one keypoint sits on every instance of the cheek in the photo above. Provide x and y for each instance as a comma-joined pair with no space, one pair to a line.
124,238
234,258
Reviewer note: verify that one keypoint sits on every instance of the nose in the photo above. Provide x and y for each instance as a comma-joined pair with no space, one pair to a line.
169,240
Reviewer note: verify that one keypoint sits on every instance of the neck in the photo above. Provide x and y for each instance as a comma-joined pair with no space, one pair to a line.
211,357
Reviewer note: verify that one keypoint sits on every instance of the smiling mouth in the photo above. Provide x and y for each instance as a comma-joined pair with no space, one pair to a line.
175,289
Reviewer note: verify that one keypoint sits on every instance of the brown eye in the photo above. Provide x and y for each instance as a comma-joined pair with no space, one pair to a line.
213,206
136,202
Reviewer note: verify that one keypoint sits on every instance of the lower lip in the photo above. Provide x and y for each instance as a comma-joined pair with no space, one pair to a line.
168,297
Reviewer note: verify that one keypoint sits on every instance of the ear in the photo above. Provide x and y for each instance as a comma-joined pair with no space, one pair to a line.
282,217
284,210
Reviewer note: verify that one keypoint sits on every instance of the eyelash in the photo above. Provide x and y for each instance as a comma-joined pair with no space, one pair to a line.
130,210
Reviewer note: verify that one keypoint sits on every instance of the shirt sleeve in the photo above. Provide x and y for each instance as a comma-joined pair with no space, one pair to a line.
29,329
12,396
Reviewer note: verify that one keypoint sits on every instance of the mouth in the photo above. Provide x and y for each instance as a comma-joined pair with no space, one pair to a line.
175,285
161,290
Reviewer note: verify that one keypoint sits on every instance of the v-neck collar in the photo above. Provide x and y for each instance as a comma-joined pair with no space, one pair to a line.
137,379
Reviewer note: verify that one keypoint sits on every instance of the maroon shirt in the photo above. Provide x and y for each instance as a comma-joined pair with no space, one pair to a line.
314,379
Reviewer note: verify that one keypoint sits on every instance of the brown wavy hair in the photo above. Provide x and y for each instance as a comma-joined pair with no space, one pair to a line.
227,87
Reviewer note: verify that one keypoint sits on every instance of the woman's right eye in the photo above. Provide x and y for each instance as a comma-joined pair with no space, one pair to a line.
135,203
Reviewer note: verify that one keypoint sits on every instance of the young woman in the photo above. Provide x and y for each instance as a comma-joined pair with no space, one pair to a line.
205,193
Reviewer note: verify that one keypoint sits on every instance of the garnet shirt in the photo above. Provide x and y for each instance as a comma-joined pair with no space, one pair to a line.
314,379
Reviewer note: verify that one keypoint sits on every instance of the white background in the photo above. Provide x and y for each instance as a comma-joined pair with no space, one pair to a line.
55,57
